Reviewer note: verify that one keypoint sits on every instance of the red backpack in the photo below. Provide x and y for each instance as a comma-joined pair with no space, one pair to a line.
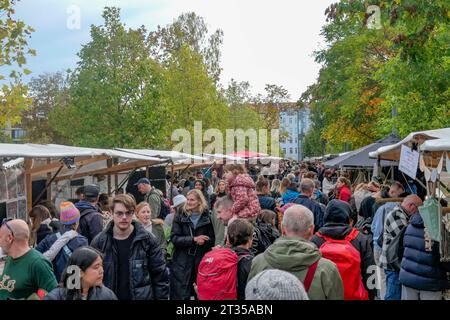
217,273
348,261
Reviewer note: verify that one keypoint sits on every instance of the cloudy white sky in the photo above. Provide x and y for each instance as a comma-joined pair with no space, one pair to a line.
265,41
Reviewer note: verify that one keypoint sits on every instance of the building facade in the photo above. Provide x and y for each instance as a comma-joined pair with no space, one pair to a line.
295,123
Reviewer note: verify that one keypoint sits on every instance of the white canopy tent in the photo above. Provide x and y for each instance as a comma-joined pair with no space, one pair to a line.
392,152
42,161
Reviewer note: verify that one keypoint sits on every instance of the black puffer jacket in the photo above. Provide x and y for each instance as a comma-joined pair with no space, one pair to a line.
187,254
362,243
149,277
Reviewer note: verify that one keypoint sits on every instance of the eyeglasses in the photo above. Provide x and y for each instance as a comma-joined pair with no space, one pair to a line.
5,222
121,214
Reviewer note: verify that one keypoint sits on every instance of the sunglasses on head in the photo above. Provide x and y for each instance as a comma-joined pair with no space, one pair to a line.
5,222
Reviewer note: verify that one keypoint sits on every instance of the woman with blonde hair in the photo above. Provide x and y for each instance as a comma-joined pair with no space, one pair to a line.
192,236
154,226
275,188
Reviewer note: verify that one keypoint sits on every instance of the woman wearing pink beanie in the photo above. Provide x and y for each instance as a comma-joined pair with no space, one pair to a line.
241,188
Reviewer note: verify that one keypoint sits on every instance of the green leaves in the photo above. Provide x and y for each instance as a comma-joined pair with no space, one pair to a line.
13,51
366,73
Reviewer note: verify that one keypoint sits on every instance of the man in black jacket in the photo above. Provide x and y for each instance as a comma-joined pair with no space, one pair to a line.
263,190
91,219
307,189
134,265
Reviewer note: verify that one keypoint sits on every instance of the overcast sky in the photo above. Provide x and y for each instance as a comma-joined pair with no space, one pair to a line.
265,41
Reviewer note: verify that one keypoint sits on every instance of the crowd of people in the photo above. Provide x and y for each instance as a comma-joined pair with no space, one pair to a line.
305,233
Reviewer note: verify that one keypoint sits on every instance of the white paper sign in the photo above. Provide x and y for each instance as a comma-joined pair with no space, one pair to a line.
409,161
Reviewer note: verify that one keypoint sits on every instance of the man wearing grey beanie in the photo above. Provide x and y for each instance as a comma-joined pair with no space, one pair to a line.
274,284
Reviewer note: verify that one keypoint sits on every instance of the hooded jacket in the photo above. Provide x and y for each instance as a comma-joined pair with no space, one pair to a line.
149,277
91,220
242,190
296,255
61,259
361,243
420,269
290,195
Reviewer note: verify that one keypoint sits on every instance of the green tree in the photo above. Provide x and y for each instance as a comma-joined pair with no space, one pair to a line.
188,30
189,94
49,91
14,35
241,112
368,73
115,90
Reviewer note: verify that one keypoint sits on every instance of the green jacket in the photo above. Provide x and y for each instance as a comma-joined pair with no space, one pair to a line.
154,200
219,228
295,255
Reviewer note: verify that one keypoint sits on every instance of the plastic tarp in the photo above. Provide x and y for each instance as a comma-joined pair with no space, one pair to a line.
392,152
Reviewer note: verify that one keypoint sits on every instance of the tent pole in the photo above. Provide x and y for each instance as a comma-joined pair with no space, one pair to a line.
28,162
49,185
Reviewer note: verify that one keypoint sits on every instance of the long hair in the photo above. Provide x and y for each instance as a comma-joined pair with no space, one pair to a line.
38,214
276,184
284,185
217,191
200,198
83,258
345,181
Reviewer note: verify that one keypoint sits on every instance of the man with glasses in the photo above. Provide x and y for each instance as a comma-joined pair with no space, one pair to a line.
26,270
396,221
134,265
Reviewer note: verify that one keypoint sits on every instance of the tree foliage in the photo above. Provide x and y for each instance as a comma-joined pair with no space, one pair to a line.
14,35
367,73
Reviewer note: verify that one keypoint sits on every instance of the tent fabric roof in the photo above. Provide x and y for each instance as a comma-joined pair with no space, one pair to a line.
436,145
58,151
360,157
173,155
392,152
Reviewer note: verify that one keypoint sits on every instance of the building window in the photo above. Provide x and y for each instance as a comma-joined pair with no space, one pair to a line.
290,120
284,150
296,150
290,150
295,140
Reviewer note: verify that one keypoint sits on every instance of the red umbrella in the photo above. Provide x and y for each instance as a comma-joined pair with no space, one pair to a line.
247,154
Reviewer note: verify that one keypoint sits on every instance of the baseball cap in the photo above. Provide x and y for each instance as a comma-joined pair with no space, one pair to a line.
142,180
91,191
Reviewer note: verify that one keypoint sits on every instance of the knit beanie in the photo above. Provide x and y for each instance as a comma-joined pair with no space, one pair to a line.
69,214
275,284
